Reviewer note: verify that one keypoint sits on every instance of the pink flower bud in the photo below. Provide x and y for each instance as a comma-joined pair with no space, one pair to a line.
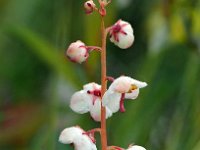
77,52
121,34
89,7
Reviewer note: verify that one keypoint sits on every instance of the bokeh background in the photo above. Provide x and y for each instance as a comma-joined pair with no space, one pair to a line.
37,81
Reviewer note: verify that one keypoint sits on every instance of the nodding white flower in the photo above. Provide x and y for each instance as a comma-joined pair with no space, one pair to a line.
89,7
121,34
136,147
121,88
78,137
89,100
77,52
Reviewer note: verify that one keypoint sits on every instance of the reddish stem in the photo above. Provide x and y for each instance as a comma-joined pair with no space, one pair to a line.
103,85
111,79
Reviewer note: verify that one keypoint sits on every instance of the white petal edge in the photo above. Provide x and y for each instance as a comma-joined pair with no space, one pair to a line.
136,147
68,135
80,102
91,86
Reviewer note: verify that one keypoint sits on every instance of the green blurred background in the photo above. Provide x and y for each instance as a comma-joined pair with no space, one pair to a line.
37,81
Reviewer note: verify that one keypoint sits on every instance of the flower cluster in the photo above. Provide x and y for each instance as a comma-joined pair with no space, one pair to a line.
96,99
89,99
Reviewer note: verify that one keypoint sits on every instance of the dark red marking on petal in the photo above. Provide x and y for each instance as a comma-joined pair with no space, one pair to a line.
97,93
122,108
123,32
116,28
89,5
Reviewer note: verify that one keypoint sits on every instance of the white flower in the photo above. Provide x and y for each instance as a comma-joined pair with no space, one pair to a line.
77,137
121,34
77,52
89,100
89,7
122,87
136,147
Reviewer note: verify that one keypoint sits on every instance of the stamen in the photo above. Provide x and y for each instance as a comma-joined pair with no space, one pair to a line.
123,32
133,87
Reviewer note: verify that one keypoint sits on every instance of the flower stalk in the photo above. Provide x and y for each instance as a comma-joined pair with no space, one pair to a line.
103,84
98,100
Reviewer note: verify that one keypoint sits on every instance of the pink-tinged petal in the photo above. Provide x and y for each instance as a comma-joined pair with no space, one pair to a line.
77,52
136,147
121,34
81,102
133,95
121,85
92,86
95,111
111,100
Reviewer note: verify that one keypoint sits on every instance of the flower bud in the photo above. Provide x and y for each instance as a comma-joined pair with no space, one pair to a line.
77,52
89,7
136,147
121,34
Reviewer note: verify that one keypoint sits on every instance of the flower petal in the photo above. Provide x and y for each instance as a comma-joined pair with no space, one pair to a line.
121,84
111,100
133,95
95,111
138,83
136,147
81,102
92,86
68,135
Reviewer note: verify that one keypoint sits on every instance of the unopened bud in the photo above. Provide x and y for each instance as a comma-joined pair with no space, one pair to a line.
121,34
77,52
89,7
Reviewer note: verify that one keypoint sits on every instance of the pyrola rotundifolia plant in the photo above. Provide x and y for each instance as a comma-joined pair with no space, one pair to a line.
98,100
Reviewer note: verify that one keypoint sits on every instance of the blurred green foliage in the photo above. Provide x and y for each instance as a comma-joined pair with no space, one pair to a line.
36,80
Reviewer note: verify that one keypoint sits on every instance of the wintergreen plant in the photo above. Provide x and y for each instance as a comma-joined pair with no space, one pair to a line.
96,99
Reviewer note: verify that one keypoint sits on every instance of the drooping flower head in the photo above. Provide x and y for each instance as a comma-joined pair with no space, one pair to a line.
77,52
121,34
89,7
78,137
121,88
89,100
